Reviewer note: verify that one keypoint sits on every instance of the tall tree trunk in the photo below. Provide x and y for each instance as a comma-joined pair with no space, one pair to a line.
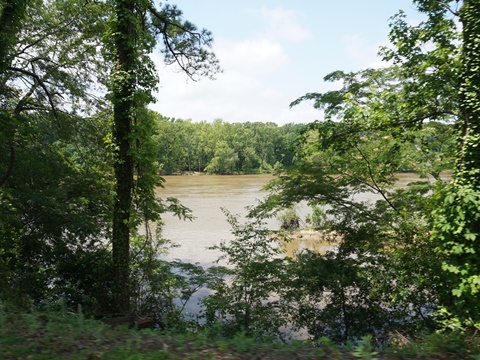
123,108
458,221
131,39
468,166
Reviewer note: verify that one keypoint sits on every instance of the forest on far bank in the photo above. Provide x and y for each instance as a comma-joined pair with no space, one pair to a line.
224,148
220,147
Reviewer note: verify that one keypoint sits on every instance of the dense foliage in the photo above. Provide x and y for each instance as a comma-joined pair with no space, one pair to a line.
56,181
458,220
221,147
68,335
81,155
78,160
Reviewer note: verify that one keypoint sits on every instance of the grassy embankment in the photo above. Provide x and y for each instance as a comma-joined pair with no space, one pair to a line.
66,335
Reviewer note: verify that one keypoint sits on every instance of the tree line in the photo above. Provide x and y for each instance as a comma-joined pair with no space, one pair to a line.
220,147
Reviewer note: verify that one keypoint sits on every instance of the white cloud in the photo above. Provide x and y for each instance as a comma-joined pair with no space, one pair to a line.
244,91
251,56
284,24
233,97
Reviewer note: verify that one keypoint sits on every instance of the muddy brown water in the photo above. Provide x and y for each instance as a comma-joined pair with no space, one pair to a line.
205,195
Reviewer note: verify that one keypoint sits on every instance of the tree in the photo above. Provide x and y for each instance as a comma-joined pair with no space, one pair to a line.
246,298
49,73
187,146
54,192
224,161
51,65
135,26
128,33
458,220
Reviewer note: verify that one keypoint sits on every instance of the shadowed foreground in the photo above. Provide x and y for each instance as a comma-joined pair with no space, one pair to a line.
66,335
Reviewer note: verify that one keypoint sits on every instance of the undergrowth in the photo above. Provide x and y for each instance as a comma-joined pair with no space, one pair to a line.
69,335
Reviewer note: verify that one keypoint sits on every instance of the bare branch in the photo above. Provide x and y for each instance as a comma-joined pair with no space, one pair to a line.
446,6
372,177
41,83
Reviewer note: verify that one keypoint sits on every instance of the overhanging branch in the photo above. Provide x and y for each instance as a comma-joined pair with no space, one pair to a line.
42,85
446,6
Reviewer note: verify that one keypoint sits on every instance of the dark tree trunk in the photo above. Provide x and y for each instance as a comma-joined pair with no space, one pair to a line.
123,108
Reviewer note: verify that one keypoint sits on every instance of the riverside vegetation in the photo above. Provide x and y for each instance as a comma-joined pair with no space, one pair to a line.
80,159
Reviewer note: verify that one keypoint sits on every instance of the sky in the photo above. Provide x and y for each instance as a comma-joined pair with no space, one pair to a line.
272,52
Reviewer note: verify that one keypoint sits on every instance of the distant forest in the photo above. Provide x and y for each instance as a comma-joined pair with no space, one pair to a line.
224,148
220,147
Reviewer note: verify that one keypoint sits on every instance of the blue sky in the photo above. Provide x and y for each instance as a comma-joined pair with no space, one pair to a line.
273,52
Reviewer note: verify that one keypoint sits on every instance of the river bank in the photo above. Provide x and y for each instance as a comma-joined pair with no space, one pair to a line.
314,240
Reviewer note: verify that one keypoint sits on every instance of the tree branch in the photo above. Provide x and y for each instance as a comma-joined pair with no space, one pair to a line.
184,45
21,104
372,177
354,130
41,83
446,6
166,22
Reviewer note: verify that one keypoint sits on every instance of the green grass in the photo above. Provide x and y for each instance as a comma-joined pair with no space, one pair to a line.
66,335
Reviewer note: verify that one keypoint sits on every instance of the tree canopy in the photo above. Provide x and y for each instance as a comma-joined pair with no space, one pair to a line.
220,147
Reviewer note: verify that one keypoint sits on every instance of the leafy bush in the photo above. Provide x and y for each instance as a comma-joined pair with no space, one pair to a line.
318,218
248,296
289,219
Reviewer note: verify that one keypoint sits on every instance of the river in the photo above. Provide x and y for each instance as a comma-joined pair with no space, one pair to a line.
205,195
